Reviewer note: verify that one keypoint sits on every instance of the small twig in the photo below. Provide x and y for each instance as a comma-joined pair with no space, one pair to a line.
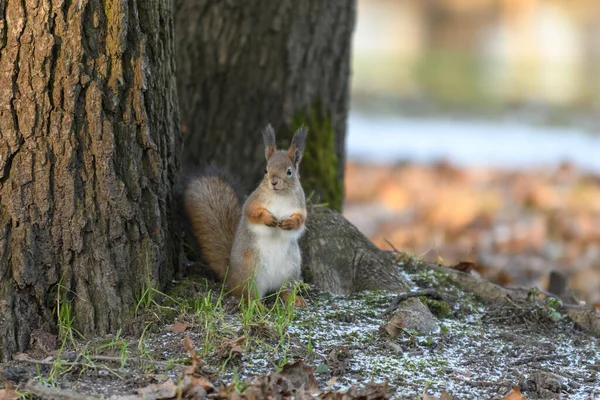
45,392
483,383
562,374
394,249
594,367
405,296
137,360
101,358
543,357
71,364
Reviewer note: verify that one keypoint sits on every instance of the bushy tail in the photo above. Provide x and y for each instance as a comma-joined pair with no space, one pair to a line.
214,210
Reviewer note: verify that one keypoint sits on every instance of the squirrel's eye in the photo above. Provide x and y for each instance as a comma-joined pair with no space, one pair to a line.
265,170
289,172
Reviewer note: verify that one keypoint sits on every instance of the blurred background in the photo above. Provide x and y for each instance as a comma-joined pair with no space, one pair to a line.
474,135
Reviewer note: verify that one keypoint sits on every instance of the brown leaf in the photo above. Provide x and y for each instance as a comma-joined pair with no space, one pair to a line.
191,381
157,391
9,392
232,347
301,375
189,346
20,356
395,326
338,360
514,394
371,391
179,327
197,362
427,396
331,382
446,396
464,266
226,392
196,387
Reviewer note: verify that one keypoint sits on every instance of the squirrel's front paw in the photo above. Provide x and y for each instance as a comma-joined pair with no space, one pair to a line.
288,224
271,221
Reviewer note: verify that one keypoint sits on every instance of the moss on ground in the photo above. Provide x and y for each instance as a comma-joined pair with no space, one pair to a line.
439,308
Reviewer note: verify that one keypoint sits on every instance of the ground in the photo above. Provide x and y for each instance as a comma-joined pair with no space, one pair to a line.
478,350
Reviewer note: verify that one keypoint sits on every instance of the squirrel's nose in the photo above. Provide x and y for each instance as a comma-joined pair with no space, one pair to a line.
274,181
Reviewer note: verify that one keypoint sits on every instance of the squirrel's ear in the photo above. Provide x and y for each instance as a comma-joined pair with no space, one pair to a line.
269,137
297,146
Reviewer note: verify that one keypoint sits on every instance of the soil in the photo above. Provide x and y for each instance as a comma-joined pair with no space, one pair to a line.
478,351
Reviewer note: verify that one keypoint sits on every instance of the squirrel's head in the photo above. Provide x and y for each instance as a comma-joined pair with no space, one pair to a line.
282,171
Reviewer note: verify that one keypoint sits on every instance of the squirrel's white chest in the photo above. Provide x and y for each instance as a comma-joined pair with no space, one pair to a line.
281,209
278,251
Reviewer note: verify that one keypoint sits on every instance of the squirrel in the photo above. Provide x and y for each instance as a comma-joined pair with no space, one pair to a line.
253,247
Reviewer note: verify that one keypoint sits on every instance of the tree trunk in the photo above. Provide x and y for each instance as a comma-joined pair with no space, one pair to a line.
88,156
241,64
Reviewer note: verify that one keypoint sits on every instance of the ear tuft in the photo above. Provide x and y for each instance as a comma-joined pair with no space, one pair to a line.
269,138
297,147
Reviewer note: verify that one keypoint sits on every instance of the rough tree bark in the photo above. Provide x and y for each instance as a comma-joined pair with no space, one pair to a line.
241,64
88,156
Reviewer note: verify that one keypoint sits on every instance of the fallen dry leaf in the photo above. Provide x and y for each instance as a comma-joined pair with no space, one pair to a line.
445,395
189,346
514,394
9,392
179,327
396,325
227,392
331,382
427,396
191,381
20,356
157,391
232,347
371,391
197,362
338,360
194,385
301,376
